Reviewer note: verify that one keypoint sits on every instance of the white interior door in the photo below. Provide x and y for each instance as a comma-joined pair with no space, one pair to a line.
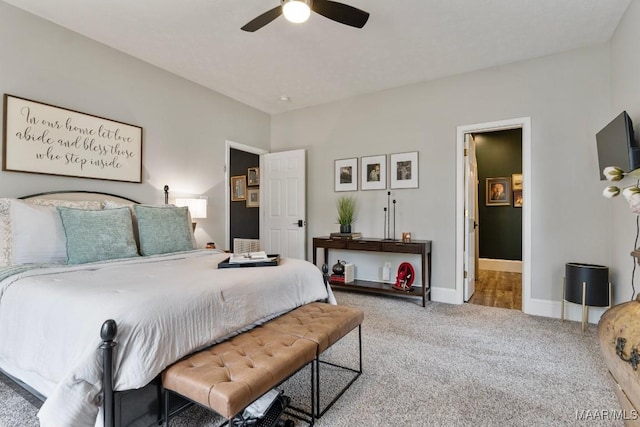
283,201
470,223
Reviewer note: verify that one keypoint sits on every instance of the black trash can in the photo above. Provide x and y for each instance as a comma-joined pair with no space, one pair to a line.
597,279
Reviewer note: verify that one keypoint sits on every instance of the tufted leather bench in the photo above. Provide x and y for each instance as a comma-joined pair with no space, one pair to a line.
231,375
323,324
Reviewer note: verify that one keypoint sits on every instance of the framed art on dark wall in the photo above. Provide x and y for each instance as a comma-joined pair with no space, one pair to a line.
517,198
253,197
346,175
498,191
238,188
374,172
253,177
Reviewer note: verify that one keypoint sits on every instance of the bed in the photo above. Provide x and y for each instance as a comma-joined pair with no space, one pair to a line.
146,285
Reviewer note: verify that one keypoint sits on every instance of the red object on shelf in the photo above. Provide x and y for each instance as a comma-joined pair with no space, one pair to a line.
405,277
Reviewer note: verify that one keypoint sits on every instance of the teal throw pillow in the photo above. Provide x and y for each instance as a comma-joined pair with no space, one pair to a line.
98,235
164,229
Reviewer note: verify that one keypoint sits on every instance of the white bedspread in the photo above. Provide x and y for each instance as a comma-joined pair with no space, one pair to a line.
165,307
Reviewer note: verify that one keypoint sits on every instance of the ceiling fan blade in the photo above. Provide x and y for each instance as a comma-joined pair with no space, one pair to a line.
262,20
340,12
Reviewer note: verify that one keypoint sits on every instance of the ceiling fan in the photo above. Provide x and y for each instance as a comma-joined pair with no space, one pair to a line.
299,11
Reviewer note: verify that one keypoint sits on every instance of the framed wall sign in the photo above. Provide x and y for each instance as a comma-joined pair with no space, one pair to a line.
374,172
498,191
42,138
346,175
404,170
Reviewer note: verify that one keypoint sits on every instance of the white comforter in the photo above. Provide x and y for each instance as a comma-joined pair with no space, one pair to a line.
165,307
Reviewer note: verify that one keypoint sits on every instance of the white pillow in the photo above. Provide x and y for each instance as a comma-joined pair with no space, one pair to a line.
6,244
38,234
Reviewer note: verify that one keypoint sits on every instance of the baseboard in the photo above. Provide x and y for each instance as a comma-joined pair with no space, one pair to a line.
446,295
506,265
573,312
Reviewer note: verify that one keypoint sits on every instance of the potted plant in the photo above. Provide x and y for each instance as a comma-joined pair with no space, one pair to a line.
346,212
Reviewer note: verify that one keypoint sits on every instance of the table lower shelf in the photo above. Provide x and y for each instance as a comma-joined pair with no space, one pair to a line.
378,287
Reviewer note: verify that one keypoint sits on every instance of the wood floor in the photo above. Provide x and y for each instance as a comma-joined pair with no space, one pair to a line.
498,289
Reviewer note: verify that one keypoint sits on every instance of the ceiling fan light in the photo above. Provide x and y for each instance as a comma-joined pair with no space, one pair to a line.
296,11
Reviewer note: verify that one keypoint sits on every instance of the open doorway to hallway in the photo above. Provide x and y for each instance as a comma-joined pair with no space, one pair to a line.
499,249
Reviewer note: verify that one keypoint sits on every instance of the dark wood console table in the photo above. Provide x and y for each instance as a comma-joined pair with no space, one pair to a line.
418,247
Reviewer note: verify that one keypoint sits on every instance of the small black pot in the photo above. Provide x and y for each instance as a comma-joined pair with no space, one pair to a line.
345,228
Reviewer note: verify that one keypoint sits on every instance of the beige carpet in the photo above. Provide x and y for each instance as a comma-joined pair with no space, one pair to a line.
444,365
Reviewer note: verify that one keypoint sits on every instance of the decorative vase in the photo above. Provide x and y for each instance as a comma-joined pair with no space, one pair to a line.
346,228
338,268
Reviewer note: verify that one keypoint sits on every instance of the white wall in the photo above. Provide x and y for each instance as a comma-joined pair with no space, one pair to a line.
567,98
625,95
185,125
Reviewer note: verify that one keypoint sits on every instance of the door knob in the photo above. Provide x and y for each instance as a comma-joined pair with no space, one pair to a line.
300,223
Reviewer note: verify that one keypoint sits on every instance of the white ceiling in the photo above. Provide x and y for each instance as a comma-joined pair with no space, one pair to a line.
404,41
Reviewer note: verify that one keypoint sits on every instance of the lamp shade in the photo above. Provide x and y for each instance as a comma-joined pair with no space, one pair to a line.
197,207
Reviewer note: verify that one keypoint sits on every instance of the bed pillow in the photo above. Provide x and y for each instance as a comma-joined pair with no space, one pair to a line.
37,234
98,235
78,204
164,229
6,240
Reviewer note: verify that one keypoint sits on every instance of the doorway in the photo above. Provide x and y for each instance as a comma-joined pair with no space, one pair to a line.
498,237
490,282
242,218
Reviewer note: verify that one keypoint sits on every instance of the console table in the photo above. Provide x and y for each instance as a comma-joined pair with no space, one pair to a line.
418,247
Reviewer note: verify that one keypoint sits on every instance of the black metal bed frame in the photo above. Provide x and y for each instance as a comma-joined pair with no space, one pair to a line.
145,407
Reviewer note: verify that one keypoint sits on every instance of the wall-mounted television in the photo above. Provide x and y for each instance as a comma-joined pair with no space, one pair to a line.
617,146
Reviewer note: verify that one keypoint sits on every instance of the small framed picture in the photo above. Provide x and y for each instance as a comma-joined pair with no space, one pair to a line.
346,174
498,191
516,181
238,188
404,170
517,198
253,197
253,177
373,172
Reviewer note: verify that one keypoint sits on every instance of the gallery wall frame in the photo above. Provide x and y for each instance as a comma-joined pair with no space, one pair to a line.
346,174
404,170
516,181
253,197
253,177
373,172
498,191
238,188
517,198
46,139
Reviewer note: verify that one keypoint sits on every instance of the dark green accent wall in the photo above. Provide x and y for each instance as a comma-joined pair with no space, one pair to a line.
243,222
499,154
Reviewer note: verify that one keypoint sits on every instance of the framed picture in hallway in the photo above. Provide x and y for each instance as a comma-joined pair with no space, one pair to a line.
516,181
517,198
498,191
238,188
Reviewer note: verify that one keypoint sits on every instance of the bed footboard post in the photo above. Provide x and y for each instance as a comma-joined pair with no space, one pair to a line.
108,334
